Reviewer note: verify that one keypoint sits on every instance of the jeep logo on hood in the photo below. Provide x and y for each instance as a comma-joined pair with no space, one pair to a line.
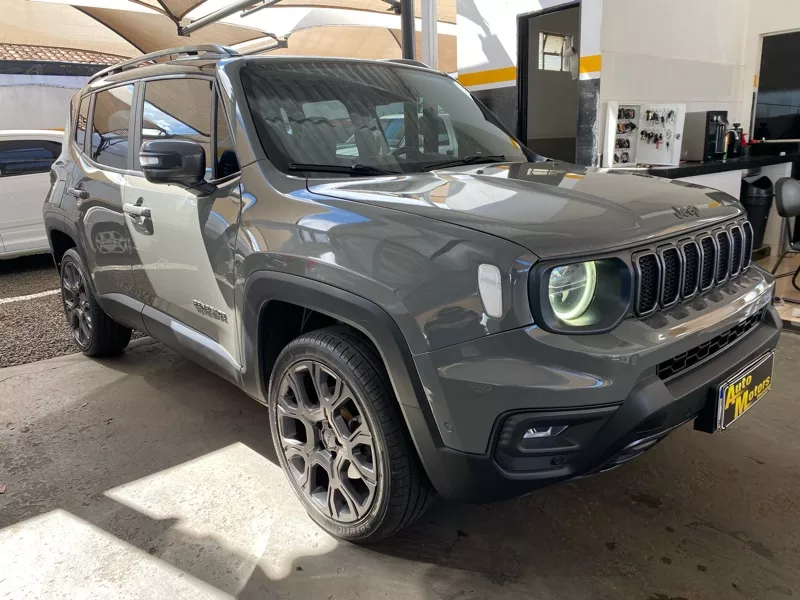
683,212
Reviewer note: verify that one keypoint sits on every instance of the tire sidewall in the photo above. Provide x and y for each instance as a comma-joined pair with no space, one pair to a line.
299,351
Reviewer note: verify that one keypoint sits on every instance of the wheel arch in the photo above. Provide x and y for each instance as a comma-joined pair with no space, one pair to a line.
264,287
60,236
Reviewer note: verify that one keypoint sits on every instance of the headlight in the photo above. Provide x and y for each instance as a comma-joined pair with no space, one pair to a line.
585,297
571,289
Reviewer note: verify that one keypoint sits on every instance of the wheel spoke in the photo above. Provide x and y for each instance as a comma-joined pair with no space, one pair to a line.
361,435
349,511
363,466
287,401
84,328
299,465
307,401
357,503
327,384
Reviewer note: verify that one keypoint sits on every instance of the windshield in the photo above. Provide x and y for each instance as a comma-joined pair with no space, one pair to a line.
387,116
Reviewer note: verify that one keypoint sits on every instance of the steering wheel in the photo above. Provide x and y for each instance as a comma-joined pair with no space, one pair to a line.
405,151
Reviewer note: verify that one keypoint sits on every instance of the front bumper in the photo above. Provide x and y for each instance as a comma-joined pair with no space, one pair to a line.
607,388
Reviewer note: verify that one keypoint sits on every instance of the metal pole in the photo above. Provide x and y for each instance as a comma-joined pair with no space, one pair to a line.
407,22
430,39
220,14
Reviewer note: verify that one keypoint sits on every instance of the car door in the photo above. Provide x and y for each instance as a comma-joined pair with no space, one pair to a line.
184,242
24,184
94,198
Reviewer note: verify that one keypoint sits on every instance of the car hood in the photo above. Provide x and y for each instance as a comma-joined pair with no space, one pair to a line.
552,208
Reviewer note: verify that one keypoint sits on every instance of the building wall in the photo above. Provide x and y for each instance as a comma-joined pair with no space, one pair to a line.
487,52
681,51
705,54
487,60
36,101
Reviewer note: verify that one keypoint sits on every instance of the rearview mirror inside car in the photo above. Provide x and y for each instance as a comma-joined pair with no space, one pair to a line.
180,162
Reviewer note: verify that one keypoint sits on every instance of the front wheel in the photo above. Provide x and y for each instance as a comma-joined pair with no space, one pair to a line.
93,331
340,438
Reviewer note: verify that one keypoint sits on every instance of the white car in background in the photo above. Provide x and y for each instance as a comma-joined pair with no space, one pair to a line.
26,156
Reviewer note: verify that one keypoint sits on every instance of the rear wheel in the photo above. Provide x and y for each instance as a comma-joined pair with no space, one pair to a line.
93,331
340,437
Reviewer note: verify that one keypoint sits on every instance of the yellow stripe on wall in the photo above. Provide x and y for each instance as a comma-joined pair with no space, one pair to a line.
588,64
755,81
591,64
490,76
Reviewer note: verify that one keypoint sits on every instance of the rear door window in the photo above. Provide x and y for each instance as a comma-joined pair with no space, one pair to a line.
23,157
110,126
179,109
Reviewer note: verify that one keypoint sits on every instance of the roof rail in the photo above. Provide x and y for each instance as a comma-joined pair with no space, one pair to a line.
215,49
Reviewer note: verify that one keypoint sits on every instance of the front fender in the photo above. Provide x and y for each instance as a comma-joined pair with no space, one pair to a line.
365,316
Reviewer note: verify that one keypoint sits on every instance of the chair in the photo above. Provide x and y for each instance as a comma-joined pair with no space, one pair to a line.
787,201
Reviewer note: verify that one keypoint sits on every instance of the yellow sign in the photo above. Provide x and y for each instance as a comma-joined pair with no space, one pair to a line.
739,395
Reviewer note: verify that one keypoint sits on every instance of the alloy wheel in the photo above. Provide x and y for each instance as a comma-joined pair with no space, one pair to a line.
76,304
327,442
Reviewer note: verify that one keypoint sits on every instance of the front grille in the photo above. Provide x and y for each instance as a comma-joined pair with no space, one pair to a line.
672,276
709,250
747,229
678,271
691,272
736,250
683,362
649,275
724,256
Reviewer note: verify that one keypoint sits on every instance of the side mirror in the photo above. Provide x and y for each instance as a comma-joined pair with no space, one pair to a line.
173,161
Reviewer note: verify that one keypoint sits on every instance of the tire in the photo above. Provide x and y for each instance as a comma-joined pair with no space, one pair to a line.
348,508
93,331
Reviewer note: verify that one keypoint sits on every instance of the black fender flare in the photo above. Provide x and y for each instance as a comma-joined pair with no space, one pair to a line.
56,221
365,316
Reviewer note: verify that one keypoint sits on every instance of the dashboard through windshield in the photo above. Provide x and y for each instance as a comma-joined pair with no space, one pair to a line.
348,117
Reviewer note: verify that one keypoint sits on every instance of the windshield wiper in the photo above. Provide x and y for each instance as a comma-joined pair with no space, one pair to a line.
353,170
472,159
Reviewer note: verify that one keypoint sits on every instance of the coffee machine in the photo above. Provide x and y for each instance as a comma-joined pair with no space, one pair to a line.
704,135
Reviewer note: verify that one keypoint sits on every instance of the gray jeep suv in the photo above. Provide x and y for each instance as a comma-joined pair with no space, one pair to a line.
436,310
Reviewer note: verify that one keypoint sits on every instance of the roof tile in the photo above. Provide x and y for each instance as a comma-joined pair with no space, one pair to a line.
51,54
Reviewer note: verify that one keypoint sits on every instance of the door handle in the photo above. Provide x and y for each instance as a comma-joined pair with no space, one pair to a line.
78,193
136,211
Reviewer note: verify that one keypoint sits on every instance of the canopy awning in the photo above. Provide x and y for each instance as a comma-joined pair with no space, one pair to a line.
151,31
360,42
349,28
59,26
178,9
175,9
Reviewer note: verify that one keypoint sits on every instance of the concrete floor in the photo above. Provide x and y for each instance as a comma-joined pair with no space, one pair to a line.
147,477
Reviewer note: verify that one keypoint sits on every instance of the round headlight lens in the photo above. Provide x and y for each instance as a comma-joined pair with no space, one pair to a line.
571,289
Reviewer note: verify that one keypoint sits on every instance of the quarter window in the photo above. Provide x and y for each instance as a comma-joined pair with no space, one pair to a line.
80,123
179,109
23,157
110,122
